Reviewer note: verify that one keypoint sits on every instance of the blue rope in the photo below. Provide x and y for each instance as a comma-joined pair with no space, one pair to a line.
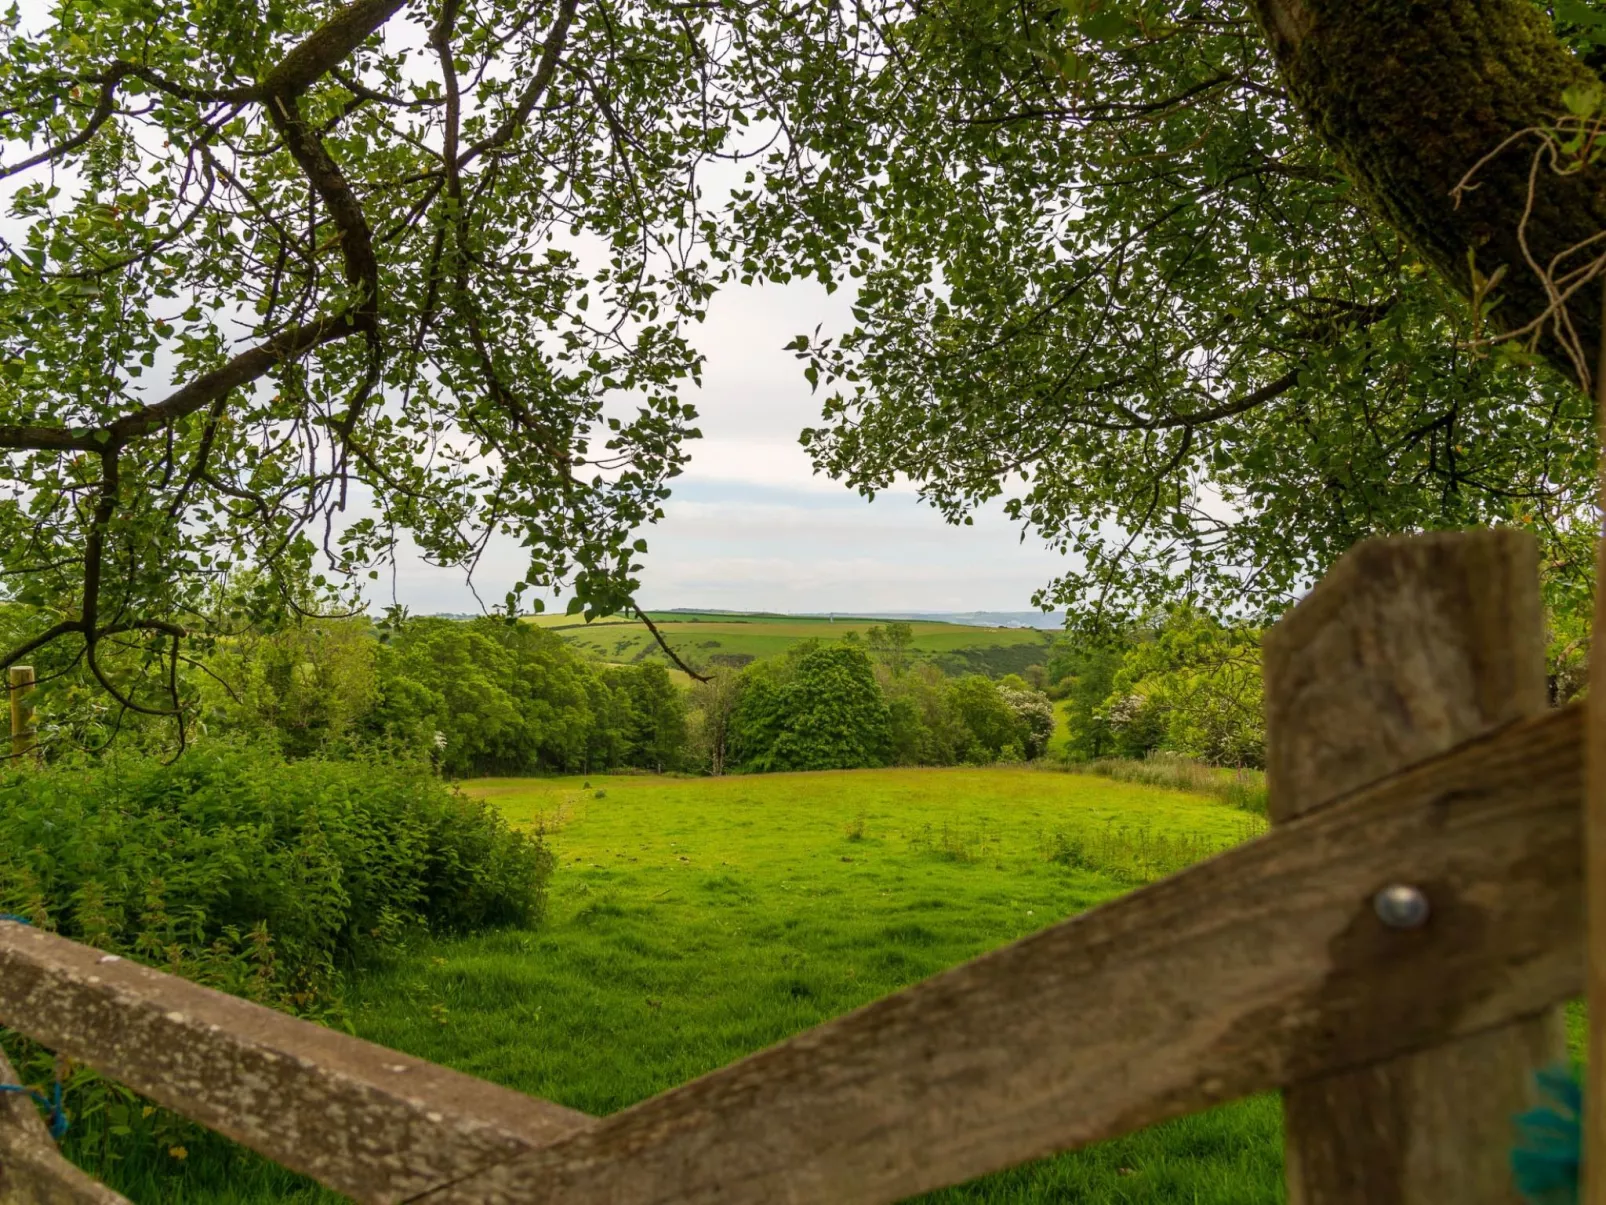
58,1114
1545,1162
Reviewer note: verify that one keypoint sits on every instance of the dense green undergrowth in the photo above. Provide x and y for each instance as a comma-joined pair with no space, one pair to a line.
235,869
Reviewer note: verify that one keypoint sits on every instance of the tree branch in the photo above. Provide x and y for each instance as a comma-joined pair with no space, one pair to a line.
326,47
246,367
1109,111
103,111
326,178
537,87
664,644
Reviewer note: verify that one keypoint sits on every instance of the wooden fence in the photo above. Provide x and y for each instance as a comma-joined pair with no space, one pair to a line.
1391,955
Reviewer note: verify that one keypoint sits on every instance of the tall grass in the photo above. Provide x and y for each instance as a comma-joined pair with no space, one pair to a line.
1137,854
1242,788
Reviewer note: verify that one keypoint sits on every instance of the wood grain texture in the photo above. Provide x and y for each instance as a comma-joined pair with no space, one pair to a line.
32,1170
1595,843
1262,967
370,1122
1408,648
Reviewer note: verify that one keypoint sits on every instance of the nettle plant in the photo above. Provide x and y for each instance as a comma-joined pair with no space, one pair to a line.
285,281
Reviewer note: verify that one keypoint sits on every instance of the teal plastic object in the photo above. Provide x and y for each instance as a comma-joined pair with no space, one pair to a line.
1545,1161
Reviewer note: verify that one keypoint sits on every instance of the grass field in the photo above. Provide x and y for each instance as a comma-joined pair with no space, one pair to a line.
713,639
1059,743
696,920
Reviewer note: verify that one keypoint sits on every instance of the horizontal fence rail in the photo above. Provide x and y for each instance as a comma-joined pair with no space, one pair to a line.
370,1122
1263,967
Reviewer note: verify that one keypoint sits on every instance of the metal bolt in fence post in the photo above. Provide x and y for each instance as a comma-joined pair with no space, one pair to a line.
24,737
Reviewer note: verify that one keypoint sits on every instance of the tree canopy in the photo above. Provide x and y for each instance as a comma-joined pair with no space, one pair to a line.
1122,284
289,281
286,281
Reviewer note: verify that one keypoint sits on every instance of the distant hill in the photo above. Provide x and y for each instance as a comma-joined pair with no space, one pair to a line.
1043,620
708,638
1047,621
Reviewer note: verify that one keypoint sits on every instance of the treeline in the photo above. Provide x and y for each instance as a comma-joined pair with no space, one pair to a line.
851,704
480,696
1182,682
486,697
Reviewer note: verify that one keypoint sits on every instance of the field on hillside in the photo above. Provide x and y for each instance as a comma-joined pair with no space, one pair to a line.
716,639
696,920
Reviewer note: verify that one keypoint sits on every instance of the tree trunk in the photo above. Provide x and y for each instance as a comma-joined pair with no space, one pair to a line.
1411,96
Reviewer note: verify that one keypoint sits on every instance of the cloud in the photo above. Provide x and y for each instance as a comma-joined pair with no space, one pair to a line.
751,526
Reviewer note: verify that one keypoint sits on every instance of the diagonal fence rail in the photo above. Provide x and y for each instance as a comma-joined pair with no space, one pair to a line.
1266,967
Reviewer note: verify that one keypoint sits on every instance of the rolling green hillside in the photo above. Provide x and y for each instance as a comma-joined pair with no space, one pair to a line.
709,639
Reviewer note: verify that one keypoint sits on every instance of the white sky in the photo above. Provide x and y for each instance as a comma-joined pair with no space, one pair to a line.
751,527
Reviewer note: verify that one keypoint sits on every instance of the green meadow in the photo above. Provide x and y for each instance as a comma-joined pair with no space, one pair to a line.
714,639
696,920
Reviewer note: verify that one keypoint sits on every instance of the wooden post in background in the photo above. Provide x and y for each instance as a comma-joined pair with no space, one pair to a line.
1594,1127
24,736
1406,649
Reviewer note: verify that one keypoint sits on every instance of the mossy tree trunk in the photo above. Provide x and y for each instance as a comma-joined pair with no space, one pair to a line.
1411,96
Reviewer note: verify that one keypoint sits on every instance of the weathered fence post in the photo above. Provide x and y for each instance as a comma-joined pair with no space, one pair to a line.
1594,1128
1406,649
23,733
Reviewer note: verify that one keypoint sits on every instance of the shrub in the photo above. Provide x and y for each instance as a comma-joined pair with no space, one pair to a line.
819,708
505,698
1190,685
260,877
257,877
990,723
1034,710
924,729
